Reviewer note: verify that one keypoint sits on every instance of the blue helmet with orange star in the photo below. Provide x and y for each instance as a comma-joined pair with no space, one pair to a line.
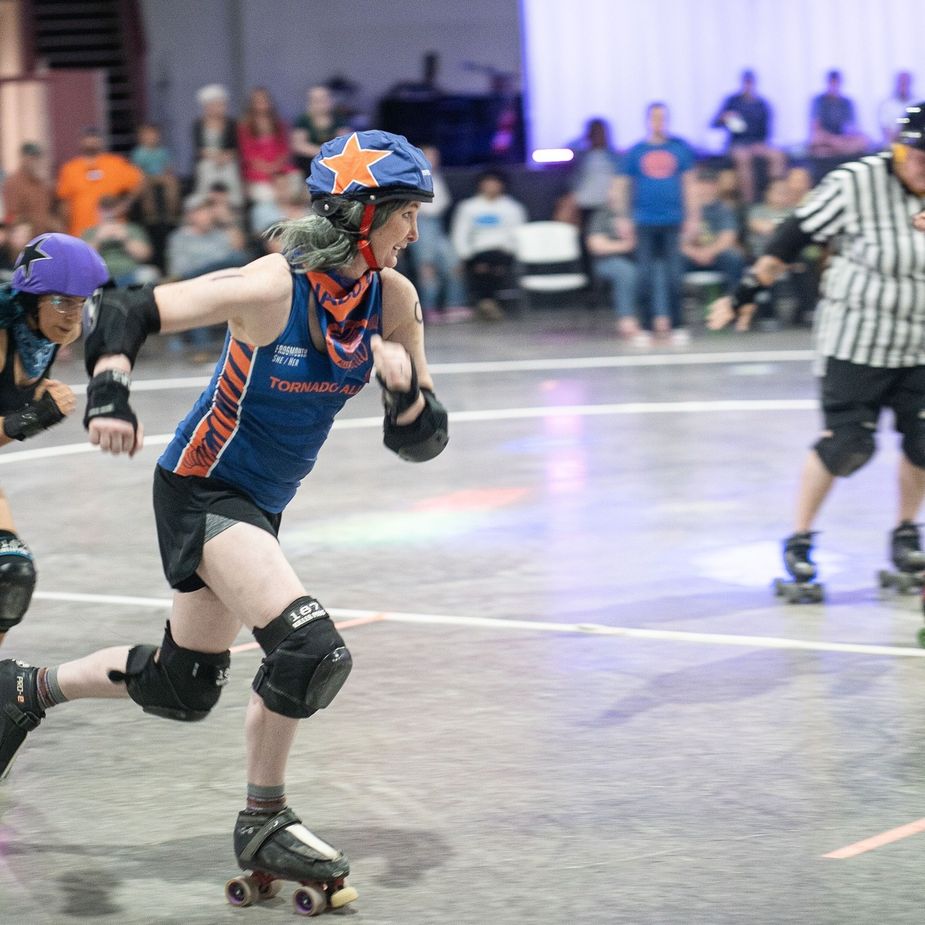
369,167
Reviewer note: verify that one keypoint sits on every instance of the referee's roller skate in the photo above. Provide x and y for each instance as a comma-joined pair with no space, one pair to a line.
273,847
909,559
20,712
802,586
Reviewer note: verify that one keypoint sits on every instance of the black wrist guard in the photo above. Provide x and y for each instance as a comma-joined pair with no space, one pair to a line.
107,397
398,402
425,437
33,418
118,321
747,291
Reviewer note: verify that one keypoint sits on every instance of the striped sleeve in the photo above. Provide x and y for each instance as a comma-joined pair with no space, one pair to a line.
826,210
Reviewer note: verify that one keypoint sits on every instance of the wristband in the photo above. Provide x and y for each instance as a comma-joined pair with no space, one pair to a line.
107,397
32,419
396,403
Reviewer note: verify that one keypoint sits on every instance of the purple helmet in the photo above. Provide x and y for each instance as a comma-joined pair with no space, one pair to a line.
59,263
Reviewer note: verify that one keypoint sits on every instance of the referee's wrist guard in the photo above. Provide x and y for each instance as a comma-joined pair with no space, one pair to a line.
747,292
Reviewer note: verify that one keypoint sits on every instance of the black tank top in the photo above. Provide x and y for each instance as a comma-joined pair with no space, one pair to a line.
13,397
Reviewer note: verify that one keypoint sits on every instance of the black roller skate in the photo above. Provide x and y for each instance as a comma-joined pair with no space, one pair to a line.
20,712
801,586
909,559
275,847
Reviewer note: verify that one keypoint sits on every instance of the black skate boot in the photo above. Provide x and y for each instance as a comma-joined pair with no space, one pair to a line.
276,846
20,712
908,557
801,586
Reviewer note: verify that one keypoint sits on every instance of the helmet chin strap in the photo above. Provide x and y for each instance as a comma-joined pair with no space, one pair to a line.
363,244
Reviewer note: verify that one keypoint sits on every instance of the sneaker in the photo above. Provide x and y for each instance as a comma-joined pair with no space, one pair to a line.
628,328
642,340
680,337
490,310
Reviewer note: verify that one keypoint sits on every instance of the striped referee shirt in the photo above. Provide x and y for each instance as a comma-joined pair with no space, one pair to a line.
872,305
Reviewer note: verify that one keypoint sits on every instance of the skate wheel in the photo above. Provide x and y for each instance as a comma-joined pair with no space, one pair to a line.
884,578
309,901
921,638
269,890
346,894
240,891
817,594
778,586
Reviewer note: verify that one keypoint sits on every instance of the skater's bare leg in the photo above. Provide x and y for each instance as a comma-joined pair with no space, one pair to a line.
268,739
911,490
89,676
815,484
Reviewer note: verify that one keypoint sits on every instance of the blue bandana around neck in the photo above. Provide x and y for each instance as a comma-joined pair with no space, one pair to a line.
35,350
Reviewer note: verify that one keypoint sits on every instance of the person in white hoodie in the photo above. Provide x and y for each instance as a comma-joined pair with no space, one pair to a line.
483,235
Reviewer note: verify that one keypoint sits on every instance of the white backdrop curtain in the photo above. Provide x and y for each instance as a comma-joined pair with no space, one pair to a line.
610,58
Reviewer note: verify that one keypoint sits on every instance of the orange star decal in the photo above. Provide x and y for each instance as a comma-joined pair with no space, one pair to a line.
352,165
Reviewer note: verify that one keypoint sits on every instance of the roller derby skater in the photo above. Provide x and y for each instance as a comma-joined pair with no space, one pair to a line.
802,585
325,313
909,559
869,339
40,311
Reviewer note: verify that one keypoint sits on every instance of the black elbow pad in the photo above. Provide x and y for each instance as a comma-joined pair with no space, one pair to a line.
119,321
425,437
788,240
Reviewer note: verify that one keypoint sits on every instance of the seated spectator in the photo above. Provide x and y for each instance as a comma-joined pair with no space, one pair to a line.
746,117
13,238
319,123
225,214
123,245
263,141
84,180
765,216
215,141
894,107
28,196
266,213
611,239
483,236
160,190
799,182
198,246
437,267
714,245
832,130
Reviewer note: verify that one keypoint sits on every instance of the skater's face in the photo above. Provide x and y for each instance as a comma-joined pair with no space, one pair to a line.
910,168
400,230
59,317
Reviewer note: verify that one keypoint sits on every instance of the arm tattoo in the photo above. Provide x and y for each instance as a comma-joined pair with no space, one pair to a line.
418,314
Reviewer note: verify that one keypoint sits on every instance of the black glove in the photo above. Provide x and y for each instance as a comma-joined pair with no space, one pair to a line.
397,402
37,416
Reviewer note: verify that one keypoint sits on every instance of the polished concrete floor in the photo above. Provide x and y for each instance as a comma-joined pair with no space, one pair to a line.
575,698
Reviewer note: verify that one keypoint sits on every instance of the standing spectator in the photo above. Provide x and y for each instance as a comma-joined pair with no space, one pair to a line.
438,270
656,179
123,245
84,180
713,244
27,194
483,235
870,334
595,166
746,117
215,141
894,107
611,241
832,128
160,182
320,122
263,140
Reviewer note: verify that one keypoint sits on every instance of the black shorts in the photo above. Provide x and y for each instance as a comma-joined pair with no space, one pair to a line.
856,394
181,506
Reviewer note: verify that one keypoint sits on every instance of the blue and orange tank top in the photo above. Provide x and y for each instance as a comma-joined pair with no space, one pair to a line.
267,411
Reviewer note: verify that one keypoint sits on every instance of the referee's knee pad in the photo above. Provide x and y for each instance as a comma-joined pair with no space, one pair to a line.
17,579
847,448
179,684
913,444
306,660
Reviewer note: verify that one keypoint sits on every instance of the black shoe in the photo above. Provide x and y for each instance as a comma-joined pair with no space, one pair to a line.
20,712
906,548
797,549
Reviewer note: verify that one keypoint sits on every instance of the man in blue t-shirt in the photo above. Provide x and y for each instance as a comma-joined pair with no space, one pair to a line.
832,129
656,181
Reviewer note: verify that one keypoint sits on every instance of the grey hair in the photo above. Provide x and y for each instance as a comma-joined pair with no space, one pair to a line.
319,242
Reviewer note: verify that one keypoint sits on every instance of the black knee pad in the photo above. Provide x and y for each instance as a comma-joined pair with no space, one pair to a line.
306,662
17,579
848,448
913,444
181,684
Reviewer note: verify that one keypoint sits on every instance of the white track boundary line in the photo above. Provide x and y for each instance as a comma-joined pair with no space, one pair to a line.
533,365
721,406
496,623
